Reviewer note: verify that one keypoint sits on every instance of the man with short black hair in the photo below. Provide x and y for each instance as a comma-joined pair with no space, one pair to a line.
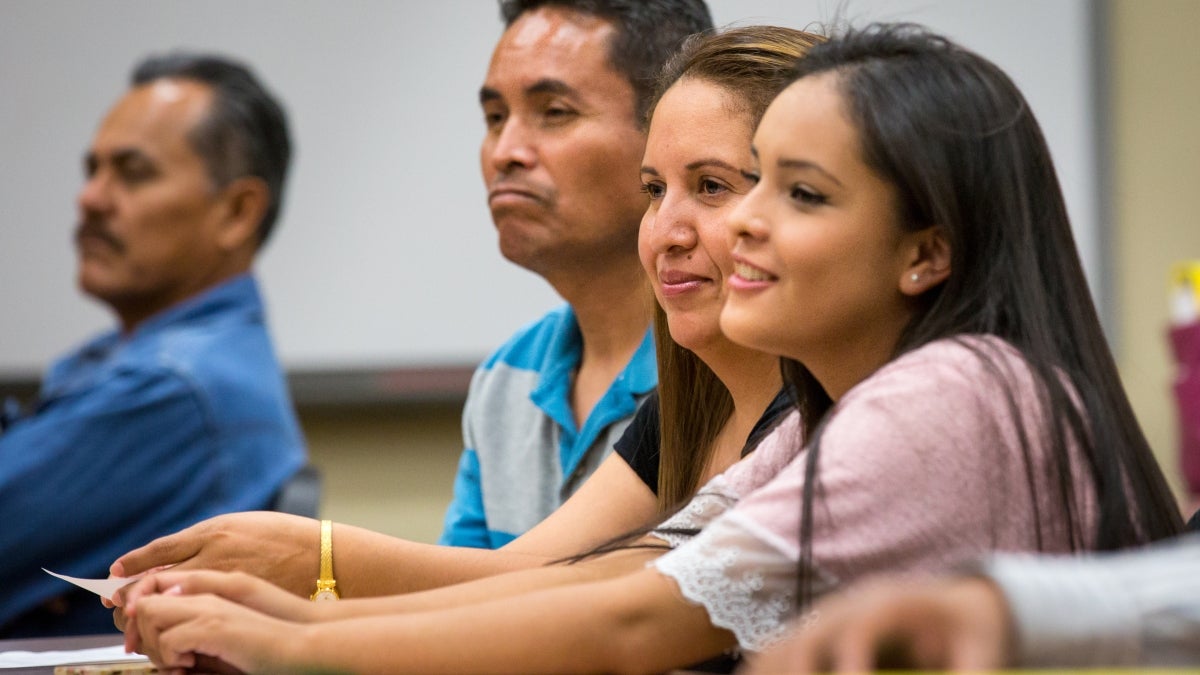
564,101
182,412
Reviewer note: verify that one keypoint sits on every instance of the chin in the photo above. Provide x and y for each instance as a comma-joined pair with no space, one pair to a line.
744,329
694,337
515,243
97,286
522,255
88,282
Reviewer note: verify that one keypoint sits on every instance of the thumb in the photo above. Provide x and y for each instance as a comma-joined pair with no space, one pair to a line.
162,552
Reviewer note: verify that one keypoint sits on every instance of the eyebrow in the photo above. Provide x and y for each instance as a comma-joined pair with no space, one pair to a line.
545,85
711,161
118,156
699,164
488,94
805,164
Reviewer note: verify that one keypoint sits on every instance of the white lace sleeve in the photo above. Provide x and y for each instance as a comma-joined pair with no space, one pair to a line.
742,577
723,492
704,508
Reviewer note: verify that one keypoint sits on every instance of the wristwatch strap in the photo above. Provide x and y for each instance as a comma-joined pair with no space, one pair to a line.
326,550
326,585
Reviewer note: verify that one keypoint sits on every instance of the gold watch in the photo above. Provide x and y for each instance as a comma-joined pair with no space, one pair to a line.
326,586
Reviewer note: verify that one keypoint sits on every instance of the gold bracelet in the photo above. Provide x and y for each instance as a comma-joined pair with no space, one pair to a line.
326,586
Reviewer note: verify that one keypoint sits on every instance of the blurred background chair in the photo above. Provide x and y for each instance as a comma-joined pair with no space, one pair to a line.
301,494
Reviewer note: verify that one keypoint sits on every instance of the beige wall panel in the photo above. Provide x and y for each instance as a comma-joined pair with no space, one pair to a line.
1155,66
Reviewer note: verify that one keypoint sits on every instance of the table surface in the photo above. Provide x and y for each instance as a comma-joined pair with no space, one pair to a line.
54,644
91,641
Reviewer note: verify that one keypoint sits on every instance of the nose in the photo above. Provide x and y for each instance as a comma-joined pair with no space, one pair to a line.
746,221
95,195
672,225
510,147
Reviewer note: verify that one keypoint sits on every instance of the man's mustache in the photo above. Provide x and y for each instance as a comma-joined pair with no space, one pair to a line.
98,230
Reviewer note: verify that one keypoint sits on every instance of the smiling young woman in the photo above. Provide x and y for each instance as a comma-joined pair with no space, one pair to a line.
907,246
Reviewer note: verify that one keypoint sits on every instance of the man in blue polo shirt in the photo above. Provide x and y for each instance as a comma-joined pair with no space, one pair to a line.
564,101
181,412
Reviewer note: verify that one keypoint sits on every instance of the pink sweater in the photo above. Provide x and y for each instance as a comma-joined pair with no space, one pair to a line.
920,468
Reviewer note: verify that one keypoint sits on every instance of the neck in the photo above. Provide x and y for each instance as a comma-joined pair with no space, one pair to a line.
133,312
753,380
613,311
752,377
842,365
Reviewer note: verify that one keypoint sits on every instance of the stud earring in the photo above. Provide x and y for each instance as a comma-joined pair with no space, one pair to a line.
915,277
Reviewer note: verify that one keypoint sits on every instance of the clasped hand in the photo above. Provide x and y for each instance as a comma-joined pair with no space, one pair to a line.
220,621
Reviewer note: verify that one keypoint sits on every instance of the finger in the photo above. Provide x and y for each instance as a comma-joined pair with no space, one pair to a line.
132,640
807,651
194,630
967,655
980,633
155,614
213,665
129,596
853,651
118,596
238,587
819,633
132,643
124,595
135,637
792,655
162,552
808,654
883,634
111,602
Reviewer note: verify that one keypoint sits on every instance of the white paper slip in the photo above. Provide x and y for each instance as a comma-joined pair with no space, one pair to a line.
58,658
101,587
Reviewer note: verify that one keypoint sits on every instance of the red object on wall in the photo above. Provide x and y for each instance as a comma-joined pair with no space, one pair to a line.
1185,343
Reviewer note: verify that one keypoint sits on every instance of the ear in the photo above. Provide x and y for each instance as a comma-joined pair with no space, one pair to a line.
245,201
927,260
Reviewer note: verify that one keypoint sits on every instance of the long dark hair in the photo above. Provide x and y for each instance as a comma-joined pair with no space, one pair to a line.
957,141
751,64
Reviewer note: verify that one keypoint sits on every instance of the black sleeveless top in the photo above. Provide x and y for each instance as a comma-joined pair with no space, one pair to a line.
639,445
